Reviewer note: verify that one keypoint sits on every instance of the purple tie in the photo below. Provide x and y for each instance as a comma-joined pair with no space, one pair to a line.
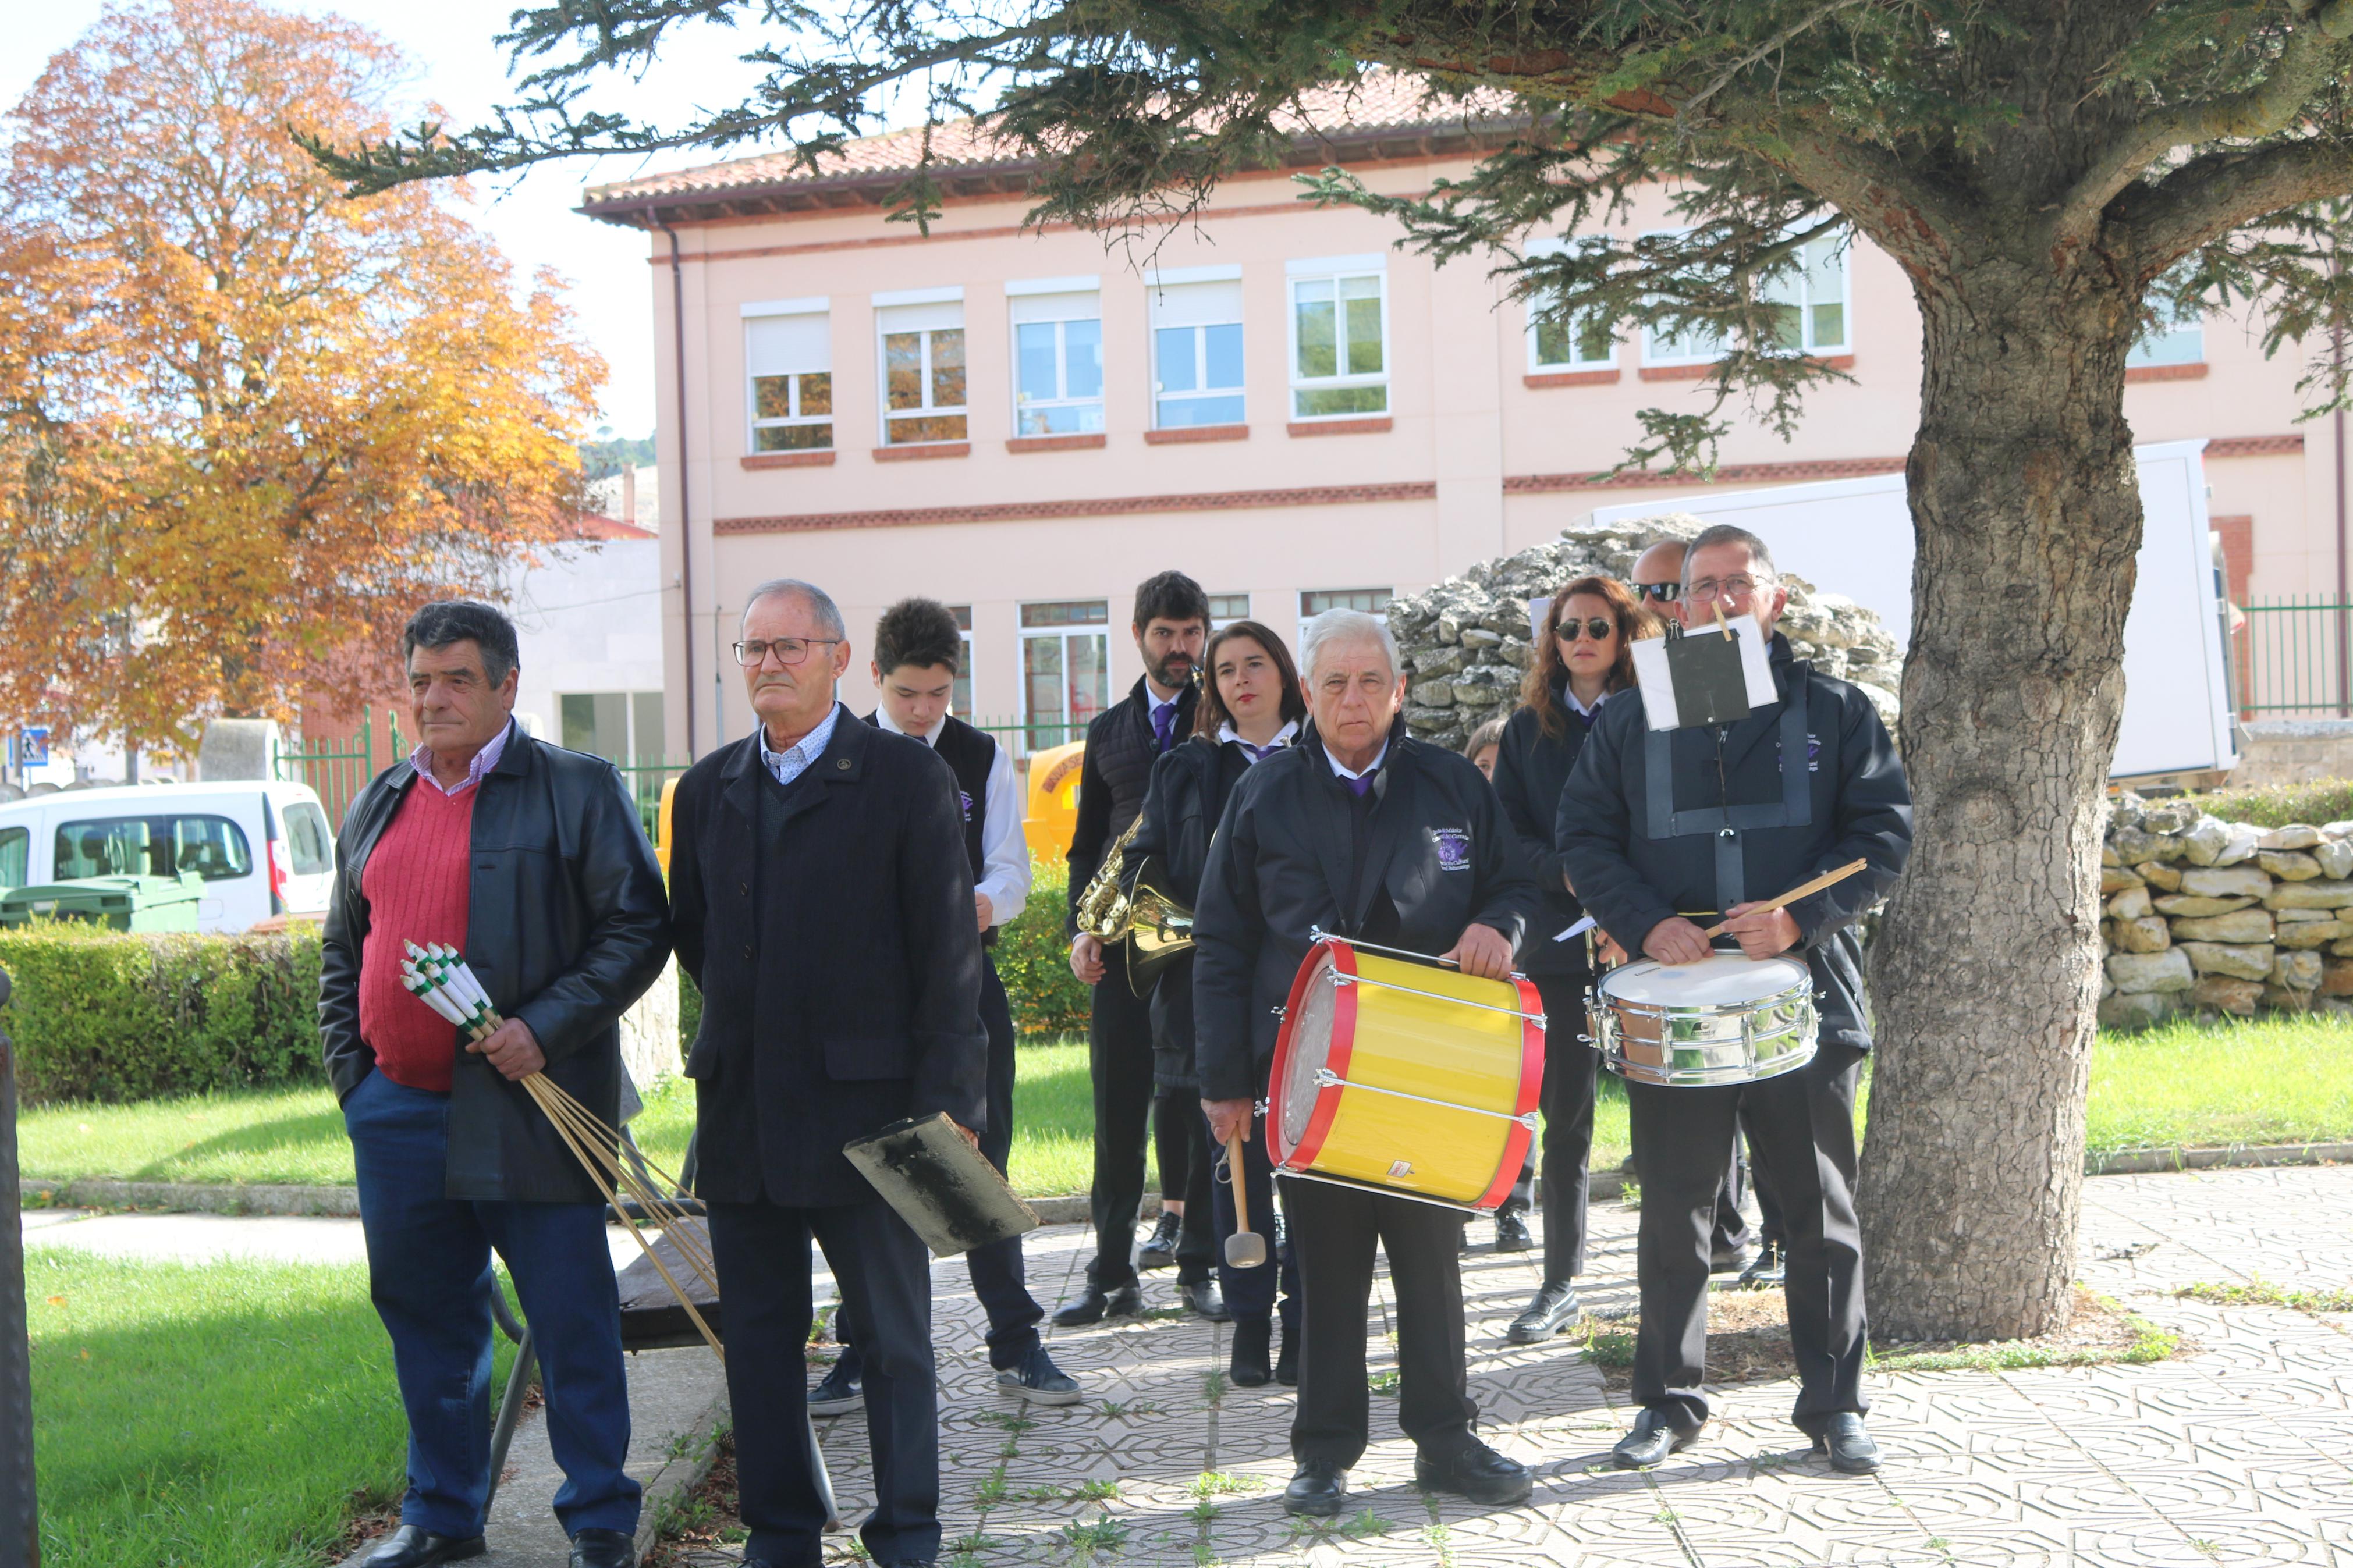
1164,723
1260,753
1358,785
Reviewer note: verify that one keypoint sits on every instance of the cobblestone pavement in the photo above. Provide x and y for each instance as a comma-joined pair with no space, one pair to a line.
2238,1451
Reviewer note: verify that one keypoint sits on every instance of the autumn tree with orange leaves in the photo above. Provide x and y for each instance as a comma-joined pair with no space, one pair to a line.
246,423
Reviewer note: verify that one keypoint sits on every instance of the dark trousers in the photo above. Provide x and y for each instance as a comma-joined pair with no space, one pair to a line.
1802,1132
1251,1292
1569,1081
430,1276
1174,1139
885,1274
997,1277
1118,1055
1333,1231
1742,1173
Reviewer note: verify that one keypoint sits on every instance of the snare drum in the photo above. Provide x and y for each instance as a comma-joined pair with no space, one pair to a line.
1726,1019
1395,1073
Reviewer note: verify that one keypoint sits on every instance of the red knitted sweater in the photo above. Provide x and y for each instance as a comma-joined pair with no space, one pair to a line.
418,887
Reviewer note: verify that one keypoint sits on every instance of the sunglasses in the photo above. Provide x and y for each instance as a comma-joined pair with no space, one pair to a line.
1659,593
1599,628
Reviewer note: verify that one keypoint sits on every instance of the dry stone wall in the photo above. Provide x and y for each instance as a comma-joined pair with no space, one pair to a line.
2208,916
1466,644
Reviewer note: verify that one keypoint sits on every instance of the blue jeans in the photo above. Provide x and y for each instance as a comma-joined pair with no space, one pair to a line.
430,1276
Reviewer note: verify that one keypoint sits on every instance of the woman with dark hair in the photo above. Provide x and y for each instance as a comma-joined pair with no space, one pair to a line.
1584,655
1251,708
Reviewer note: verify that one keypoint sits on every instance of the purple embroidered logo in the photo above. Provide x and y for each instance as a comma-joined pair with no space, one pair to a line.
1453,848
966,799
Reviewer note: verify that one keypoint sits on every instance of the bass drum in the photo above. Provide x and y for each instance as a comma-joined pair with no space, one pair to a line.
1405,1077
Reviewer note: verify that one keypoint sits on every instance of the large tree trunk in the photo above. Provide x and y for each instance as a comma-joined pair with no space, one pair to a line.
1985,977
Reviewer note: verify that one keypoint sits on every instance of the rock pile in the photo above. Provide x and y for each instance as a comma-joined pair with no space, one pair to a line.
1465,641
2222,917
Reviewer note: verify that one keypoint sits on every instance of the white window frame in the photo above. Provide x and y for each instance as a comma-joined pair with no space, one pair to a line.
2163,345
1216,620
1065,635
885,330
1842,241
1073,287
819,306
1335,269
1199,331
1537,364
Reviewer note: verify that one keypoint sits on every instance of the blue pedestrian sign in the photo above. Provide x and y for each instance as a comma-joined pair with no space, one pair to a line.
32,746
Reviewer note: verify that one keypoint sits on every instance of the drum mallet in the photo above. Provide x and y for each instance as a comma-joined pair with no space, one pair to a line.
1245,1249
1803,890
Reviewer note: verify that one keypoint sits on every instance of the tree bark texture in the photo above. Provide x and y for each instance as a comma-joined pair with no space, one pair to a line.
2026,509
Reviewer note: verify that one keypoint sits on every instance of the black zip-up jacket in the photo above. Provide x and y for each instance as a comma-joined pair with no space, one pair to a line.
1531,769
1857,805
1112,778
1280,865
565,928
1191,786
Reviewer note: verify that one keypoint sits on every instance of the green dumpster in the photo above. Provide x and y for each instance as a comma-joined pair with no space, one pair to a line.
120,903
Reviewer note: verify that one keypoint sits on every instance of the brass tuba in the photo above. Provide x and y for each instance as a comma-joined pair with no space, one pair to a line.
1159,929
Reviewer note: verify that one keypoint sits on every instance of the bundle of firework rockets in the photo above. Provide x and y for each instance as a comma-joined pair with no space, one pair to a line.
437,975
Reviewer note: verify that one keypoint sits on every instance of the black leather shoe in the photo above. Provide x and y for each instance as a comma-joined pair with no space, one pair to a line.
1849,1447
1475,1471
1512,1232
1319,1489
1159,1250
1554,1308
1248,1365
1652,1440
595,1548
1093,1306
1203,1296
1286,1365
412,1546
1767,1271
841,1392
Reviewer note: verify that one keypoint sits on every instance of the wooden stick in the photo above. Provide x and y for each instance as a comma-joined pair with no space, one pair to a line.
1794,894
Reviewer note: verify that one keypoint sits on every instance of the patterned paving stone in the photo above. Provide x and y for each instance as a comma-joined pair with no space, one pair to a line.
2241,1451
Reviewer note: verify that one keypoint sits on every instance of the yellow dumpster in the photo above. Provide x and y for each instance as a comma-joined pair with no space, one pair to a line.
661,840
1053,811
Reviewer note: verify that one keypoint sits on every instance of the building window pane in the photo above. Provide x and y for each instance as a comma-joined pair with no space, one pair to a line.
789,362
960,700
1058,386
924,380
1339,348
1224,608
2179,338
1197,351
1809,304
646,736
1314,603
1065,668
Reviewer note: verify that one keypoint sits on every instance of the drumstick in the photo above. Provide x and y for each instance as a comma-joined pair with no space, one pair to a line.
1245,1249
1794,894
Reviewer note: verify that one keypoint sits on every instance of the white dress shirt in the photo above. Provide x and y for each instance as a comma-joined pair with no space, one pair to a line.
1356,772
1003,848
1568,694
1282,737
484,761
796,759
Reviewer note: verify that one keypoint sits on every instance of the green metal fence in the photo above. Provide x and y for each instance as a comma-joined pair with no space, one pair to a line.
2290,658
645,776
1025,736
338,771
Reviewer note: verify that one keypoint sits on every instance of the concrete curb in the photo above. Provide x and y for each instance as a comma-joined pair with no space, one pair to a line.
683,1474
344,1203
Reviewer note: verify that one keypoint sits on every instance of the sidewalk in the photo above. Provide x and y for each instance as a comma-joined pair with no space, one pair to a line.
2238,1451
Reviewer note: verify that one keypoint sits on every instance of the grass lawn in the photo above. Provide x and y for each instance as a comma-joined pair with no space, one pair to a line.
2275,1081
231,1415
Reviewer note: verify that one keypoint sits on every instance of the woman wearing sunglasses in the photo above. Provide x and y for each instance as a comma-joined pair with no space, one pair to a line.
1584,655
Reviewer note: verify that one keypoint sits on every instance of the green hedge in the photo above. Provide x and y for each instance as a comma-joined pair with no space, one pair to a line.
97,1014
2277,806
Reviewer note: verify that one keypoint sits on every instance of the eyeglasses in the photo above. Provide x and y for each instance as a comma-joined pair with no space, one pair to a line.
1659,593
1597,628
1729,589
789,650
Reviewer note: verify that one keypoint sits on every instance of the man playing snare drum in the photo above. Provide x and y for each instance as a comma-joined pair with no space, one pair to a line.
1367,834
1705,818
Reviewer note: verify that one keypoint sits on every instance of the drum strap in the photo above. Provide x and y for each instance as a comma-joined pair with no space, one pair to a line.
1727,823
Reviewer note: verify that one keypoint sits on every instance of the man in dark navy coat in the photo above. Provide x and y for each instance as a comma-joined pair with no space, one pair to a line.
1724,817
822,900
1364,832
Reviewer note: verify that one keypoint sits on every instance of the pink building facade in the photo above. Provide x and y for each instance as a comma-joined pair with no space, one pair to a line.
1268,395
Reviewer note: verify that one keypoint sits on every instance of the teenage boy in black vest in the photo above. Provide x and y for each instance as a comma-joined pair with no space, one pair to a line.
1171,622
917,648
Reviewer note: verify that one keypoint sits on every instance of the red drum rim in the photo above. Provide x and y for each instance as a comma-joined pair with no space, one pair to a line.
1532,1071
1300,1155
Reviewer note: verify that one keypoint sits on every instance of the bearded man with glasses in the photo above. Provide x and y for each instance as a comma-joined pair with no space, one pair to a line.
1720,817
822,899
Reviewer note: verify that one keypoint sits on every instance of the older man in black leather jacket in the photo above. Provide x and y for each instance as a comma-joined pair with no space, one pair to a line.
531,860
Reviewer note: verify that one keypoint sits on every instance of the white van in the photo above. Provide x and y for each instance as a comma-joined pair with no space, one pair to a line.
263,848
